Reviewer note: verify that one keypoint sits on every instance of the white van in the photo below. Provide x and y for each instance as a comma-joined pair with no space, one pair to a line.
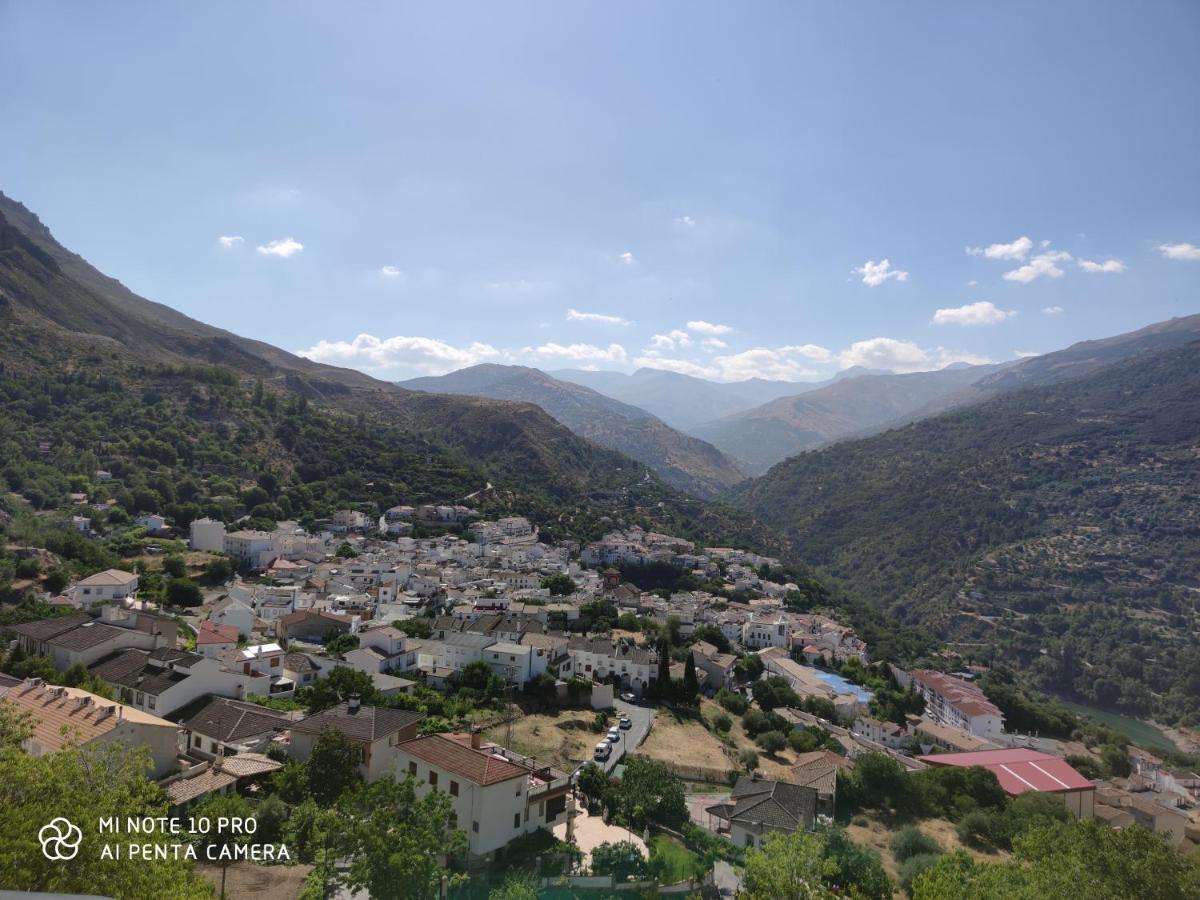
602,752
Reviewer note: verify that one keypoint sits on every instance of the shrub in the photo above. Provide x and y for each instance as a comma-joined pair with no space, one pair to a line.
771,741
735,703
914,866
722,723
910,842
749,759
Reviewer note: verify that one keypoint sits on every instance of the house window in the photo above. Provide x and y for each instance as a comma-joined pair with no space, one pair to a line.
150,700
139,698
432,778
475,827
196,741
749,840
412,769
212,746
517,820
453,788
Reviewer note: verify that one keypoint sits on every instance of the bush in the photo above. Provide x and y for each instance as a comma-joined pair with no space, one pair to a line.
183,592
722,723
771,741
735,703
749,759
977,828
914,866
620,859
910,842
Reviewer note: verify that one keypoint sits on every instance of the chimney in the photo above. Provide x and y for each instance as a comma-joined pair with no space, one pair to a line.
353,704
475,738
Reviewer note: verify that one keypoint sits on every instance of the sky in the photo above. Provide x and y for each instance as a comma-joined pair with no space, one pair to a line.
775,190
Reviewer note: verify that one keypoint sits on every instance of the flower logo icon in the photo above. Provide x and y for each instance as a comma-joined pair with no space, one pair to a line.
60,839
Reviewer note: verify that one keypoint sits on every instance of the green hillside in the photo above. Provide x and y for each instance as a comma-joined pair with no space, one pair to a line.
1055,527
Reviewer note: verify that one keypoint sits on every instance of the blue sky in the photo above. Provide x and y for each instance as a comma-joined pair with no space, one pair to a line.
409,189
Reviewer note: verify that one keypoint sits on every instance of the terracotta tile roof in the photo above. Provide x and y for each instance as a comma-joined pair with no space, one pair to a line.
244,765
109,578
454,754
368,723
213,633
205,783
61,715
774,804
1019,770
230,720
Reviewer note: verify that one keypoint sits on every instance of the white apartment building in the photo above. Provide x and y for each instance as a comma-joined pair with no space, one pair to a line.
207,534
495,799
109,586
255,549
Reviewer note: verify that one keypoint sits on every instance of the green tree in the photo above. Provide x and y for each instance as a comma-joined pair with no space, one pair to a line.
650,789
416,627
559,585
218,569
771,741
175,566
183,592
332,767
395,840
82,785
788,867
691,684
1076,859
516,886
621,859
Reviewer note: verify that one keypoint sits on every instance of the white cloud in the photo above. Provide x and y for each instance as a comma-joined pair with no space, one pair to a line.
627,258
229,241
574,315
714,344
391,272
1025,354
423,354
876,273
613,353
670,340
1109,265
708,327
284,247
685,220
1015,250
972,283
791,363
809,351
1042,264
1044,244
982,313
885,353
1052,310
1179,251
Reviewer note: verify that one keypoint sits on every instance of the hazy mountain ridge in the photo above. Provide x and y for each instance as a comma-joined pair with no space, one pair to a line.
764,435
682,401
681,460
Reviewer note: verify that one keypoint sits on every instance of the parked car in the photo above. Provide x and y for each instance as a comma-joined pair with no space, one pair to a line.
602,752
625,723
614,734
629,697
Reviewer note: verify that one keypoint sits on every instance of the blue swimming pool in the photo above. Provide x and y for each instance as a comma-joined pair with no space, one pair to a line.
842,686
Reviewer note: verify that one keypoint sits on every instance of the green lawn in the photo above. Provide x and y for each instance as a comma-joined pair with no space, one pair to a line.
670,860
1140,733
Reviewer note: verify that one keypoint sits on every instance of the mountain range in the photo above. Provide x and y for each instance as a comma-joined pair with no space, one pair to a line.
680,460
1053,525
60,318
682,401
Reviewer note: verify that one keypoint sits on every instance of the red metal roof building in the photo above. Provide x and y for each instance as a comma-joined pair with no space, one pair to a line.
1020,770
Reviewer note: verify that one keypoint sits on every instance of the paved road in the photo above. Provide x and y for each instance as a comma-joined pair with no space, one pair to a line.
641,716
